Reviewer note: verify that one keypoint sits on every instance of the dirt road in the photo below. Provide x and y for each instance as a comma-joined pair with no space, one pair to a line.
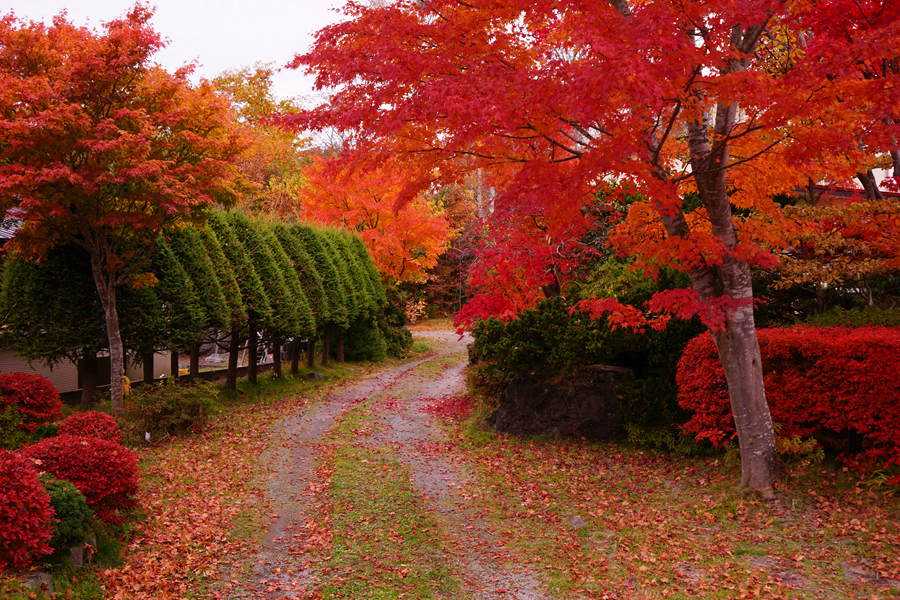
303,554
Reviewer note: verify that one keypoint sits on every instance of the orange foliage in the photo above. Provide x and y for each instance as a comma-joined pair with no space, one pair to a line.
405,240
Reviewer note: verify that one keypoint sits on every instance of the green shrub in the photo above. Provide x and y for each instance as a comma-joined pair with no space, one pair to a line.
12,435
392,323
365,342
171,409
73,517
548,343
47,430
856,317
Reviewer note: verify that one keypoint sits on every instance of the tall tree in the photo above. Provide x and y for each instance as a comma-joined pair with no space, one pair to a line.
255,302
273,159
555,97
188,247
101,148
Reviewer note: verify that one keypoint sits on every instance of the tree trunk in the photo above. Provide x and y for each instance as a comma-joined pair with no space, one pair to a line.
310,353
147,363
175,367
107,292
252,358
195,363
736,342
88,379
867,180
340,345
276,356
234,352
295,356
325,349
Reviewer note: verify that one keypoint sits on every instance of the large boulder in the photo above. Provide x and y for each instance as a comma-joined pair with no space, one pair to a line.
585,407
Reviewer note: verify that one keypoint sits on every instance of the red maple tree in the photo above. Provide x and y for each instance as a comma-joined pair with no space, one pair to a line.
556,97
101,148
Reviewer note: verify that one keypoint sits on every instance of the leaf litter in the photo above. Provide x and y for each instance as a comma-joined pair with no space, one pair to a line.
381,488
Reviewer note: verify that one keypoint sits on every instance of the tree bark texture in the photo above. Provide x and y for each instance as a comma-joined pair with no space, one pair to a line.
106,289
340,346
147,363
175,366
295,356
195,363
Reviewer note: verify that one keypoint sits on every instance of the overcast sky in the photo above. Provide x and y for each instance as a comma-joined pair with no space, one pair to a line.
219,35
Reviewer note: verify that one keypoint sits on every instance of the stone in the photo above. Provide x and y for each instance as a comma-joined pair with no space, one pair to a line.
586,407
39,581
315,375
577,522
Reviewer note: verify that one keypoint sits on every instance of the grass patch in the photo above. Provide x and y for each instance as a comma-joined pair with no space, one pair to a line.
385,542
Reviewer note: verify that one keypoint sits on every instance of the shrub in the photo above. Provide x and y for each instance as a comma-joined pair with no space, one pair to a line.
834,384
11,433
547,343
26,519
44,431
92,423
73,517
105,472
171,409
34,395
365,341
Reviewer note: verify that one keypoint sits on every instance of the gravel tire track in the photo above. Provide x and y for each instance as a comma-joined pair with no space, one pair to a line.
291,487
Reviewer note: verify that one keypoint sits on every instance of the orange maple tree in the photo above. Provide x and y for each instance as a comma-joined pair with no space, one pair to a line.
102,148
405,239
556,97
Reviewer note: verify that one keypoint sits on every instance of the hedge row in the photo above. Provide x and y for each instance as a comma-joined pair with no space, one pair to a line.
838,385
236,275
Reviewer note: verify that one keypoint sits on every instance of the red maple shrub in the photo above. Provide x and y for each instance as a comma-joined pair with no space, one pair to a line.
34,395
826,383
92,424
26,518
105,472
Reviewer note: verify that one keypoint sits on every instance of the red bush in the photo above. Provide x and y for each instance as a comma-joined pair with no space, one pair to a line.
35,396
26,518
105,472
92,424
821,382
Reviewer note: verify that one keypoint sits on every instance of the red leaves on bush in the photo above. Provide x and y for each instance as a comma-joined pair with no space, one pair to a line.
26,518
35,396
92,424
821,382
105,472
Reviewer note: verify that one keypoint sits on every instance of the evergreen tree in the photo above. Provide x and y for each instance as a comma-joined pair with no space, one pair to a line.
53,313
191,252
253,294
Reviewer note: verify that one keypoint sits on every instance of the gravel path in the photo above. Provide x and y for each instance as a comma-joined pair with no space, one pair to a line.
292,490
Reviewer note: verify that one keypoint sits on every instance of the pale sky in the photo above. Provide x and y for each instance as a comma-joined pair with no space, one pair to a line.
217,35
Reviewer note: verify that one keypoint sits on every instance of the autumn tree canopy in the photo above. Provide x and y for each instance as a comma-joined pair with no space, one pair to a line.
553,98
405,239
102,148
273,158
